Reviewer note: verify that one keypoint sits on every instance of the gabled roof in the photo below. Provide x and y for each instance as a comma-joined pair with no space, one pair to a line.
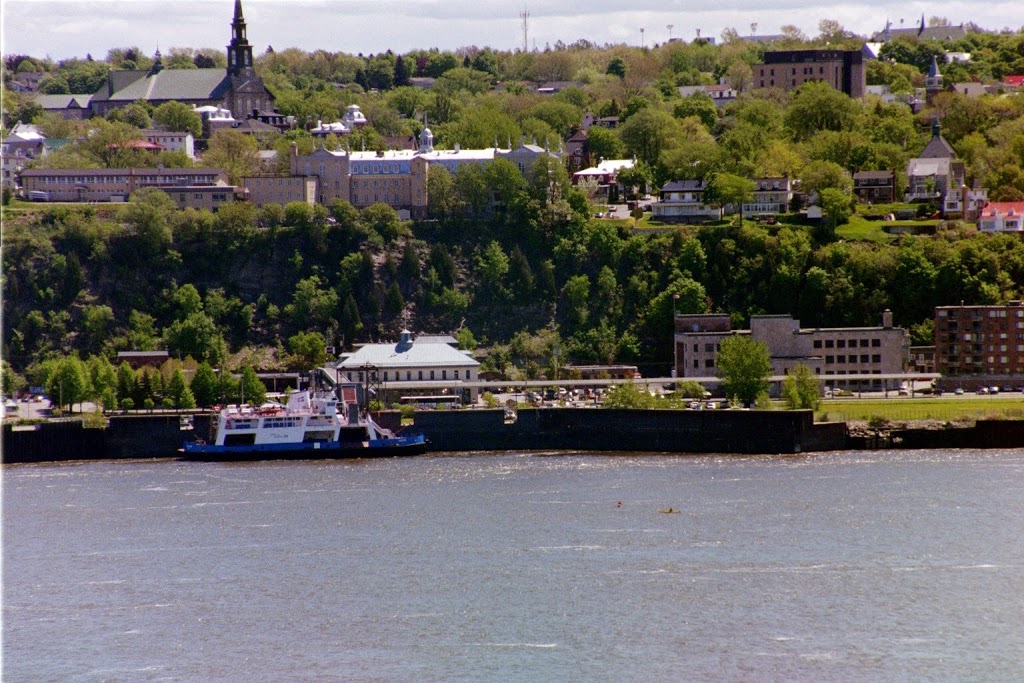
166,84
937,147
63,101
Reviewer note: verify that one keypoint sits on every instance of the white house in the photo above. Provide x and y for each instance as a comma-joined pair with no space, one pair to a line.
683,201
1002,217
427,365
172,140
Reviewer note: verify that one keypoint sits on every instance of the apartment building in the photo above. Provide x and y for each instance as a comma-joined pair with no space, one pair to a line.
985,340
789,69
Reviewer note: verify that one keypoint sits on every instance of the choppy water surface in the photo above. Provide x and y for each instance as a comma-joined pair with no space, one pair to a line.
843,566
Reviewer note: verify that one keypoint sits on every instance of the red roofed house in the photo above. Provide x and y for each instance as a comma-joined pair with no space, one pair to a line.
1002,217
1017,81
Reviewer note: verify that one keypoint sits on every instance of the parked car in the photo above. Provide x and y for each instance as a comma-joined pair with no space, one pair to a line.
959,391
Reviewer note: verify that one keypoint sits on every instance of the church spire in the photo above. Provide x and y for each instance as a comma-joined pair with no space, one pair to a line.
239,49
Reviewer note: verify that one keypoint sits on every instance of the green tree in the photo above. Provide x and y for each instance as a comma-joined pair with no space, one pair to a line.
233,151
727,188
178,116
818,106
253,390
179,392
68,383
204,385
309,350
744,366
800,389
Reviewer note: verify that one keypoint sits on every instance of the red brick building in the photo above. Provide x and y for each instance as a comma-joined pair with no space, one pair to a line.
983,341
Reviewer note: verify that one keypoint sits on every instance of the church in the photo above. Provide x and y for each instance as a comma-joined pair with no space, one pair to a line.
238,89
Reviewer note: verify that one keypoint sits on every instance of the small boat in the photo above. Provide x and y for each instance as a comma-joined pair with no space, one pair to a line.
669,511
311,425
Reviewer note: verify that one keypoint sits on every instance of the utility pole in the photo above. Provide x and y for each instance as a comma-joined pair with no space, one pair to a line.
642,45
670,32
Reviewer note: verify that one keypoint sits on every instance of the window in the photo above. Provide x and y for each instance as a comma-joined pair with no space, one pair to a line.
421,374
841,360
875,343
841,344
876,358
431,374
817,343
863,343
829,360
863,358
456,374
709,363
444,374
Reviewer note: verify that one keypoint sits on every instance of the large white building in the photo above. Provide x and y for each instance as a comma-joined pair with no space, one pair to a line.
412,367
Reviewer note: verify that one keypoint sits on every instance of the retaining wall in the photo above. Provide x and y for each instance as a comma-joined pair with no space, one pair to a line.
674,431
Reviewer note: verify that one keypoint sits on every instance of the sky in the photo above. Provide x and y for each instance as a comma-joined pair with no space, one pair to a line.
67,28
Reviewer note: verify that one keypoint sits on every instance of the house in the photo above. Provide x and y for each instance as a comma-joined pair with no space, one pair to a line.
789,69
721,93
830,353
412,366
15,154
606,176
683,201
1002,217
1015,81
71,107
238,88
771,196
875,187
577,151
967,203
172,140
935,171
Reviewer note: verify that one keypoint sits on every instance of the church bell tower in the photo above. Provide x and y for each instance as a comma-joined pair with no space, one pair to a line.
239,49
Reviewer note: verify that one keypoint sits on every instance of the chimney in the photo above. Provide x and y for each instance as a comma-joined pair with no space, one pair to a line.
887,319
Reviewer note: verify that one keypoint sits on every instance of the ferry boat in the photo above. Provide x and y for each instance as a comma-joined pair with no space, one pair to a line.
311,425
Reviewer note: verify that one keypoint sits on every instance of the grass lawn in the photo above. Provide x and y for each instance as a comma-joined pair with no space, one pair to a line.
938,408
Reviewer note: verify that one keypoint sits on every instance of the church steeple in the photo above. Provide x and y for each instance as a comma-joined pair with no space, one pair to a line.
239,49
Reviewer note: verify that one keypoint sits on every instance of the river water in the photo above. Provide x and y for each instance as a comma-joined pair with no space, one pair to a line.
859,566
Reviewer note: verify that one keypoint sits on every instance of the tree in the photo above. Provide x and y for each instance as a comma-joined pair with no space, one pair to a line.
647,133
801,389
233,151
179,392
699,105
253,391
818,106
727,188
68,383
309,350
744,366
604,144
178,116
836,205
204,385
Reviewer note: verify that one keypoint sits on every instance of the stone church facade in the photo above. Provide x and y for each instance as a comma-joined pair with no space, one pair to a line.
238,88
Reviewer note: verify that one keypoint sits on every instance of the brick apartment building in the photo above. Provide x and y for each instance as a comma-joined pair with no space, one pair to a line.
984,342
789,69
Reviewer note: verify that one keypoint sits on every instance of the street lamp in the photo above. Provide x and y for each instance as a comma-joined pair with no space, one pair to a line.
642,44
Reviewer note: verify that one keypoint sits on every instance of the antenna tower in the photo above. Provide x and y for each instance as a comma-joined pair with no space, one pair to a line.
525,16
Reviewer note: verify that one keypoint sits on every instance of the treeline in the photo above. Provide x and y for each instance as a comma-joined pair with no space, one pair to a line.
537,281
